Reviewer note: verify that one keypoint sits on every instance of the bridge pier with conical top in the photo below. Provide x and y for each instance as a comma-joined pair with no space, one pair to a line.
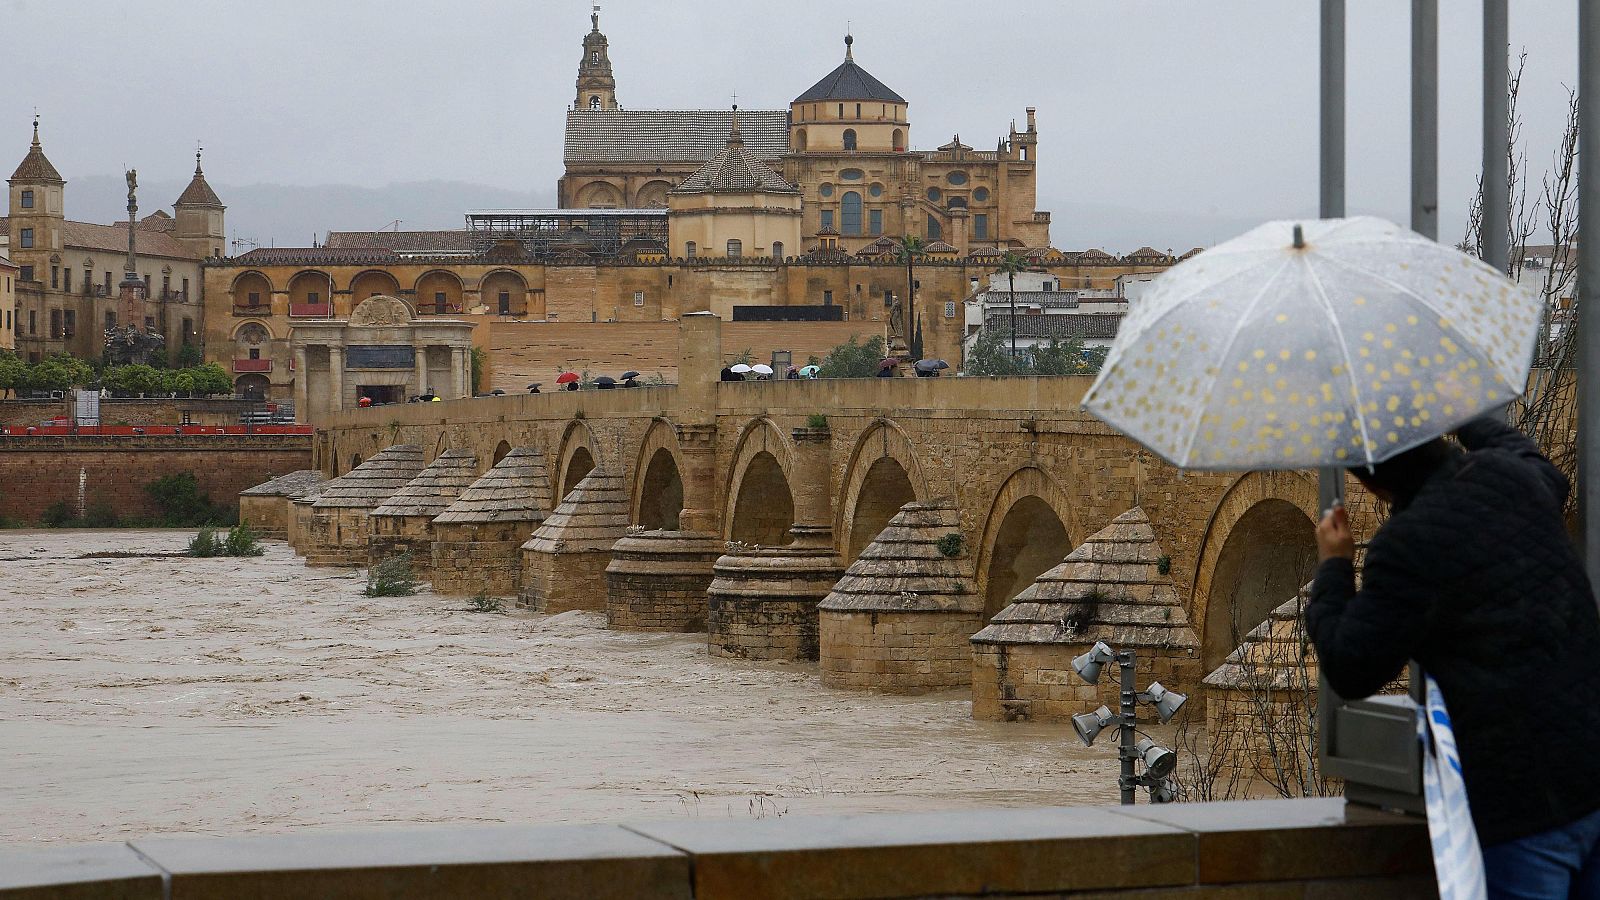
266,508
300,513
564,562
340,518
404,523
477,540
1109,589
657,579
762,603
901,617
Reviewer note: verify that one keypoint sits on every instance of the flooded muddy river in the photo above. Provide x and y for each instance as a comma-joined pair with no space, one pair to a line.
142,691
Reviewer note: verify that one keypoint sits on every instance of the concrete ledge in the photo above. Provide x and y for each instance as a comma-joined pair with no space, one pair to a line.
561,863
1302,849
73,871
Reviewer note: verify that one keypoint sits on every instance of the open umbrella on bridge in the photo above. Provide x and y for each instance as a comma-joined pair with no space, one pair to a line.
566,377
1335,343
739,369
931,365
809,371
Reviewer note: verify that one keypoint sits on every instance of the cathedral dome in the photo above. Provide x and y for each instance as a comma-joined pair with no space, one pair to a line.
849,82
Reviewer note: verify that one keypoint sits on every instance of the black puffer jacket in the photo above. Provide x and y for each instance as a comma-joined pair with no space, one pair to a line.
1475,577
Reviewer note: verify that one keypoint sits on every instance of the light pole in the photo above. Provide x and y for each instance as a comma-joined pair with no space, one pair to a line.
1158,761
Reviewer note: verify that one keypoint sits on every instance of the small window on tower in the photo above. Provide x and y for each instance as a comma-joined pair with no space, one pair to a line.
111,320
688,250
26,238
594,102
735,248
27,199
949,309
638,298
849,138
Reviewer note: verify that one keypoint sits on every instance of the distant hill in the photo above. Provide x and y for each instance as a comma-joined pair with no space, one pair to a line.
288,215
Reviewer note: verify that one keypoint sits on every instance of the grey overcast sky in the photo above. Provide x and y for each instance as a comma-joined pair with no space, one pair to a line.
1163,123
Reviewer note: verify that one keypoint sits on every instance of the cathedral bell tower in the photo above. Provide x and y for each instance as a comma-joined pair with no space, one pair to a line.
596,88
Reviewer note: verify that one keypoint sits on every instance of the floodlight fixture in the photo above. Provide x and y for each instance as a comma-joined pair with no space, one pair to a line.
1088,664
1158,760
1089,725
1162,790
1167,703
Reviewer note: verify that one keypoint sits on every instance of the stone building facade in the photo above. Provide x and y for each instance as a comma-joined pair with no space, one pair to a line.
383,353
8,304
845,143
69,271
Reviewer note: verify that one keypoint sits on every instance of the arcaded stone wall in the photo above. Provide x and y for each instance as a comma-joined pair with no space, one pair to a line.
1036,681
901,653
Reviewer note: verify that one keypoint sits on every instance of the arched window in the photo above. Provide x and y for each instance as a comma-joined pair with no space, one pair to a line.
594,58
934,231
850,213
735,248
899,141
800,139
688,250
849,138
777,250
594,102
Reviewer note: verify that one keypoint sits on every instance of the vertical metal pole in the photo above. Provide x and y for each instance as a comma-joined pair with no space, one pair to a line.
1126,729
1424,161
1330,481
1496,136
1589,286
1425,117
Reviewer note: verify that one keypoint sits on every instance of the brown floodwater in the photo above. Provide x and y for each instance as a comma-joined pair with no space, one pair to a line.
157,693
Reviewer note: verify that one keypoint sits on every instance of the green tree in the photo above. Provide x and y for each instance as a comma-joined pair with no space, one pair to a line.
480,359
211,378
990,356
189,356
853,360
13,373
1011,264
910,249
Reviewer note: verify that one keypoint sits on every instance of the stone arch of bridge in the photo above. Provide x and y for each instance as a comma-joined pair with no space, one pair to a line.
758,503
1030,528
1259,546
579,456
658,478
883,474
500,451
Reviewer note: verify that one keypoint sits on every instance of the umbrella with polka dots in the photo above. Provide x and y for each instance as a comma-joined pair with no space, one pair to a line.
1325,343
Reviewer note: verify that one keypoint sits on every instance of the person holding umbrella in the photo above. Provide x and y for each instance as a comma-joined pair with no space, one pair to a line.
628,379
568,381
1356,345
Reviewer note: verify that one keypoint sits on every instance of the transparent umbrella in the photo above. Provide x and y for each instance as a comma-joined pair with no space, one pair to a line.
1335,343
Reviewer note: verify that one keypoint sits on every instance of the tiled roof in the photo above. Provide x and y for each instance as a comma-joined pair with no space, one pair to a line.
312,256
1147,253
517,489
457,240
198,193
670,135
294,484
1098,326
374,481
903,568
849,82
434,488
1109,589
734,169
1000,297
114,239
34,166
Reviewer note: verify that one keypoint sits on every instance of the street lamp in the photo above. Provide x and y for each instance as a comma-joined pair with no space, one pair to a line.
1159,762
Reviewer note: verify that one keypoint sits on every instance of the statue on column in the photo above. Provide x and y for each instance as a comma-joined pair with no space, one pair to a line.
133,186
897,321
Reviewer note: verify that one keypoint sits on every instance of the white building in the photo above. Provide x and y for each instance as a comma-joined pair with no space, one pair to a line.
1045,312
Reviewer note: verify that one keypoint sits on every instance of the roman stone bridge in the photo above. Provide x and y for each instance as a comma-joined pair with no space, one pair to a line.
765,491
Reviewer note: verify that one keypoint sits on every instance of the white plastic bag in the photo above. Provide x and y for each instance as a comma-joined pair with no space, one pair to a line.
1457,859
